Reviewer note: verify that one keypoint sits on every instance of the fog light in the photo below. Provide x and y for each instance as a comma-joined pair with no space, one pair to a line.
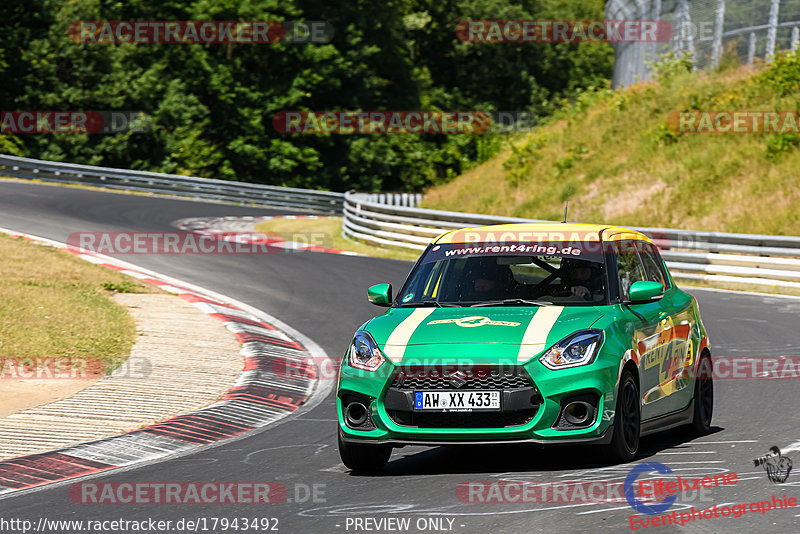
577,413
355,414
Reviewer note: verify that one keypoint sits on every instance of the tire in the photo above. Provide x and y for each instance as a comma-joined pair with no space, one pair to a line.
627,421
703,398
359,457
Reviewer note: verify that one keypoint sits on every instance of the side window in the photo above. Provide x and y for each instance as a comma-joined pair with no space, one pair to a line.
629,269
653,266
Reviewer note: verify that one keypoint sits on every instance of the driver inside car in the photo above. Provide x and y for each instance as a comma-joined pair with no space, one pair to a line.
581,279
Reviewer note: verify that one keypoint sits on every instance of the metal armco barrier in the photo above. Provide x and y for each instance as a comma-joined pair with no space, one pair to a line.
390,219
153,182
765,260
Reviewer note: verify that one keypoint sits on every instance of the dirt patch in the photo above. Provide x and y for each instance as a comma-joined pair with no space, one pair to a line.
628,199
21,394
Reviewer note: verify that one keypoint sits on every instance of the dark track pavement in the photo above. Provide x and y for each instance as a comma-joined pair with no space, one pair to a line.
323,296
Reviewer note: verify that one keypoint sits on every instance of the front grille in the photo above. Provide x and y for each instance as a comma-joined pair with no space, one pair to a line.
476,378
521,397
462,419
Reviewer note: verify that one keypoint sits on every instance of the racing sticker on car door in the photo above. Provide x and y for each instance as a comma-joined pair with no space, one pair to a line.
669,354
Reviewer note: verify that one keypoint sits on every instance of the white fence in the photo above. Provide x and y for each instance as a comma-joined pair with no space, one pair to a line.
763,260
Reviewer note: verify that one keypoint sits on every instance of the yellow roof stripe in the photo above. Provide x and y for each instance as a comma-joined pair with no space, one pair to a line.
527,232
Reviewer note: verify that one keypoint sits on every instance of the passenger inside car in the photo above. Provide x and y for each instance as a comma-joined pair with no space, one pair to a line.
488,280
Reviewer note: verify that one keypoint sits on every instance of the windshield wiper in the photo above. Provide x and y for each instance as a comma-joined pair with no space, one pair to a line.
428,304
513,302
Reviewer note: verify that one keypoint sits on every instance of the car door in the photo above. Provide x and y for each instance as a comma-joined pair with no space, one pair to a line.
647,325
674,353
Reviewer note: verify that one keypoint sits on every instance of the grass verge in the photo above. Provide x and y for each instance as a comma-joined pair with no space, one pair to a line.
56,305
327,231
628,164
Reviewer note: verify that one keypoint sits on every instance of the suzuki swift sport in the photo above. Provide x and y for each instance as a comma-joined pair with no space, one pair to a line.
538,332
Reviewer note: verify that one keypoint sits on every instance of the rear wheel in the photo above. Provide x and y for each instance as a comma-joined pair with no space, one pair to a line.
360,457
627,421
703,397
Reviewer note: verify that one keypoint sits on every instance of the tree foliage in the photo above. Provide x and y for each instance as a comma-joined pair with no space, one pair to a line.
212,104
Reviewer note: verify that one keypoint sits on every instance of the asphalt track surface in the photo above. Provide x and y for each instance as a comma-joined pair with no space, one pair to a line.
323,296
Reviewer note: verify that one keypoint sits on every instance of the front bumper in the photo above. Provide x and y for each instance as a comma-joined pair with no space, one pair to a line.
539,423
603,439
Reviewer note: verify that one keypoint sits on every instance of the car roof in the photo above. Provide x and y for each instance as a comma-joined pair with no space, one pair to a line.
544,231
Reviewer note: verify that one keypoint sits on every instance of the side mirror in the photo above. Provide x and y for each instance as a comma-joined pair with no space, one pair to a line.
645,291
380,294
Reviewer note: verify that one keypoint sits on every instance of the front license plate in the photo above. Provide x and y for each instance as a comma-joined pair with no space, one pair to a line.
457,401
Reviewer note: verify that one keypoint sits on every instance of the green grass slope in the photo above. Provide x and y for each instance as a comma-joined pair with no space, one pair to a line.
626,166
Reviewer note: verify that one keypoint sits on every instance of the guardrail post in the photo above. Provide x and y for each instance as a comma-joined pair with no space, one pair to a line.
751,49
772,31
795,38
716,48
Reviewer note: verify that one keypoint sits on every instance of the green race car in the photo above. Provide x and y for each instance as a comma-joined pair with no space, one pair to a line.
538,332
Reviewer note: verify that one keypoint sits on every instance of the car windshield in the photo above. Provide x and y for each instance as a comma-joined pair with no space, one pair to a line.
516,275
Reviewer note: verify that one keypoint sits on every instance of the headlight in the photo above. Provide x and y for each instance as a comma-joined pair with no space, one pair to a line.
364,352
574,350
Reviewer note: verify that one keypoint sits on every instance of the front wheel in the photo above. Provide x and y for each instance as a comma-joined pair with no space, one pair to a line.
627,421
360,457
703,398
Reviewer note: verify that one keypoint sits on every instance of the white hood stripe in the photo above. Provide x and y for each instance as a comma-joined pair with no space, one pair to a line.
535,337
395,346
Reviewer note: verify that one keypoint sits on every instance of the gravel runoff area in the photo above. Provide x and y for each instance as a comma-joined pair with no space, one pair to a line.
182,360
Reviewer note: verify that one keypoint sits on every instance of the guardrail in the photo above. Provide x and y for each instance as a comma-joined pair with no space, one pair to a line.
709,256
389,219
153,182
